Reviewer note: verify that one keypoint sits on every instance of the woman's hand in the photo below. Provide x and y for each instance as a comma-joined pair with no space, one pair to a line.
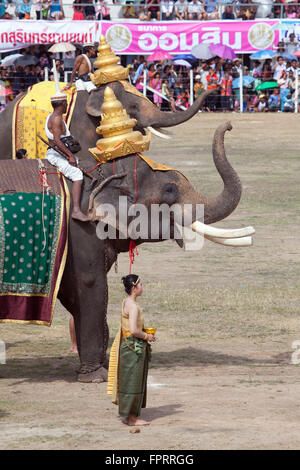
151,338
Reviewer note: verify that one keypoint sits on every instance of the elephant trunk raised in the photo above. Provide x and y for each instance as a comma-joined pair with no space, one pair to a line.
221,206
157,118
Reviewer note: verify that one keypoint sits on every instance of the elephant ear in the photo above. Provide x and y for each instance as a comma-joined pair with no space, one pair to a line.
105,205
94,103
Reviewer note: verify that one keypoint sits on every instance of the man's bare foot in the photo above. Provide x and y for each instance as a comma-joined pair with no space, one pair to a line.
78,215
134,421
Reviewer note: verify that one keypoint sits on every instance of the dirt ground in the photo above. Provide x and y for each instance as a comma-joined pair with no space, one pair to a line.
222,375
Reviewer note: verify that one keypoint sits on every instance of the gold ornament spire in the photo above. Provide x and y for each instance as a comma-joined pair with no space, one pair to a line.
119,138
106,62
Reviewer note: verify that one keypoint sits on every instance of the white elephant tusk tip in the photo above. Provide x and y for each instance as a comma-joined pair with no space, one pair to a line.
158,133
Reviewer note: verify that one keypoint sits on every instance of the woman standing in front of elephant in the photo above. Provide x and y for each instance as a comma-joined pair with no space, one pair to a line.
129,376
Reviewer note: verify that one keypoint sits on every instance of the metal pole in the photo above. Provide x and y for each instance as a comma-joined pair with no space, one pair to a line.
46,74
296,91
191,87
145,83
241,90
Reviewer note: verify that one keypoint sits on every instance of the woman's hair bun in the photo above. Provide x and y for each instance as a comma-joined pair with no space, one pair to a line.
129,282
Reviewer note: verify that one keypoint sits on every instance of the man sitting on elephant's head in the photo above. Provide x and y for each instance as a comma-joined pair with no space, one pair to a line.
84,67
56,129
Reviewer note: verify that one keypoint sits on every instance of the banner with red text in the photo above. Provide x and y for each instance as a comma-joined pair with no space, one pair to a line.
141,37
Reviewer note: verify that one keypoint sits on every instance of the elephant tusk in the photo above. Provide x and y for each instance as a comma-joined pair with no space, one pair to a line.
158,133
242,241
203,229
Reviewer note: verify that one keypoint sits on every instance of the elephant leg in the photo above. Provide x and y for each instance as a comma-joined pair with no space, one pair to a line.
92,329
84,293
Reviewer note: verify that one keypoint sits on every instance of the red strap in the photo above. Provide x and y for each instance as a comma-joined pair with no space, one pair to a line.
132,247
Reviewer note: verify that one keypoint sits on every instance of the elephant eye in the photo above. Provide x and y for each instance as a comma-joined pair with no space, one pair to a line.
170,193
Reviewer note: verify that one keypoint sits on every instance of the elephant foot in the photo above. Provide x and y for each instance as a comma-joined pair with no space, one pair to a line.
96,376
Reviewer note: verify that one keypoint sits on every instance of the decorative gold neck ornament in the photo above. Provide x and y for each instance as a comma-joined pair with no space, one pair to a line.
119,138
106,62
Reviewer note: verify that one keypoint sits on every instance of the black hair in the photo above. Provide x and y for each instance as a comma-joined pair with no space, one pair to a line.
129,282
56,104
21,153
87,49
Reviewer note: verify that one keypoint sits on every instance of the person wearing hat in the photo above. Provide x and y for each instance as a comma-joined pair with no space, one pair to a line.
198,87
84,67
56,129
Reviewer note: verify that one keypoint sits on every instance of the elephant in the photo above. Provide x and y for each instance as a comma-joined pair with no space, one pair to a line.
88,109
83,290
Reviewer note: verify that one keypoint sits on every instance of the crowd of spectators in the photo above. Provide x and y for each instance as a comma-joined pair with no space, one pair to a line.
145,10
18,78
172,82
277,79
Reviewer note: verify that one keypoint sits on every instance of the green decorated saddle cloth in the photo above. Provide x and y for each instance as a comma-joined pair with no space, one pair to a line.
33,246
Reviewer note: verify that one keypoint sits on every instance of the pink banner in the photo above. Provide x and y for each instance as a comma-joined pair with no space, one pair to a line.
140,37
179,38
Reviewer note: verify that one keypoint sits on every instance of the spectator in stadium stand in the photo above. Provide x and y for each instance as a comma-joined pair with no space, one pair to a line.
3,13
291,81
226,92
267,73
198,87
257,80
89,10
151,11
212,84
211,8
262,105
283,83
291,46
291,12
102,10
280,47
167,10
56,10
44,60
196,10
172,78
278,68
130,10
157,85
257,68
291,67
78,13
38,8
228,13
288,104
274,101
236,68
180,10
24,9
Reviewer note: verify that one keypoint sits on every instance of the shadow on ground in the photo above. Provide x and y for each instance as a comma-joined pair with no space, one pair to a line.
49,369
157,412
197,357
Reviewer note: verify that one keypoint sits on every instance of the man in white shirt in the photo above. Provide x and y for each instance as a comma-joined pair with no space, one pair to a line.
196,10
278,68
167,8
291,46
181,10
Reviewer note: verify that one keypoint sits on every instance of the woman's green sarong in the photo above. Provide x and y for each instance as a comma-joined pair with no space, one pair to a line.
133,372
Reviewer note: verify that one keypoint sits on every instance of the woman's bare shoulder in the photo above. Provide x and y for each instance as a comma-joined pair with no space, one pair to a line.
129,306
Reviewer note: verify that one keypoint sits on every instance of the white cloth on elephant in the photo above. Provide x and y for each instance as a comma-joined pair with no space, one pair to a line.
68,170
84,86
